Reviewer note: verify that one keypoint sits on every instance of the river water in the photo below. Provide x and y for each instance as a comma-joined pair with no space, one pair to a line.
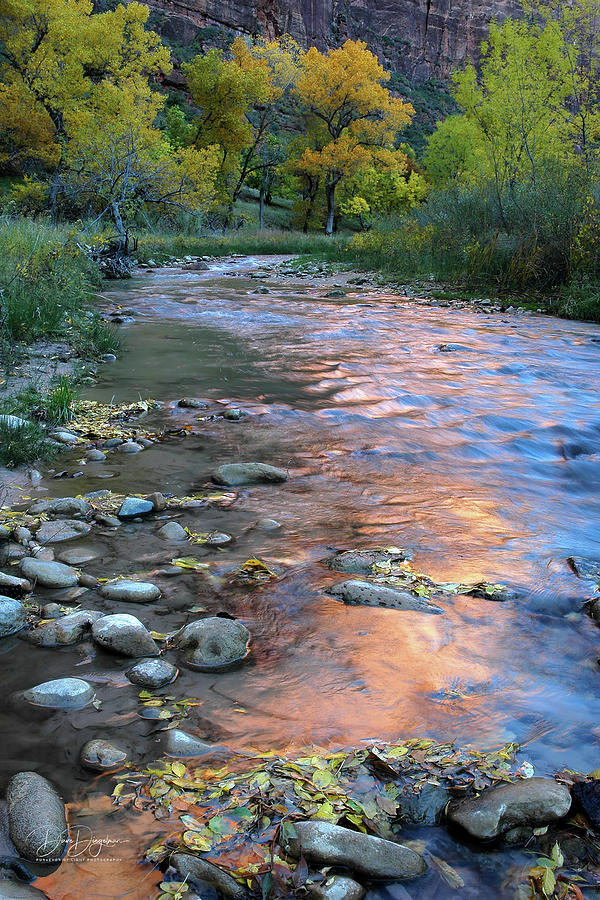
483,461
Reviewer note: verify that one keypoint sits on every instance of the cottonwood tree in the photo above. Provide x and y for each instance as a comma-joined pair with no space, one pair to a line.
343,92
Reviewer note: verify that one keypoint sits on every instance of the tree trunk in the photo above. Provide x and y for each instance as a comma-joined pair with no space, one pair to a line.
261,201
330,194
116,214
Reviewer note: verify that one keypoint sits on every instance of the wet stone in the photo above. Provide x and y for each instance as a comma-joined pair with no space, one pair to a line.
217,539
213,643
199,871
336,887
332,845
235,474
268,524
11,585
12,616
135,506
364,593
193,403
76,556
95,456
62,693
533,801
51,611
130,591
61,530
108,521
99,755
233,415
425,807
172,531
180,743
130,447
66,630
19,890
157,500
48,574
37,823
152,673
361,562
124,634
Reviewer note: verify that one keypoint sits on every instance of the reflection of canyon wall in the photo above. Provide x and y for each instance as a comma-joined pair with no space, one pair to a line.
422,38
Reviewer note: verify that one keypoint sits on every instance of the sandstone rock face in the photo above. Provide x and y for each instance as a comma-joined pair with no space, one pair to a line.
421,38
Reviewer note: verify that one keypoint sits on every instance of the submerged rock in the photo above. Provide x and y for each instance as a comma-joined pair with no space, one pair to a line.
37,823
124,634
66,506
66,630
180,743
62,693
193,403
132,507
425,807
332,845
198,871
364,593
152,673
12,616
100,755
336,887
533,802
18,890
61,530
268,524
130,591
235,474
361,562
213,643
48,573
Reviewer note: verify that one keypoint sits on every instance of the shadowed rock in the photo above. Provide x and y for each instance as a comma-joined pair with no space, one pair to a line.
235,474
364,593
36,818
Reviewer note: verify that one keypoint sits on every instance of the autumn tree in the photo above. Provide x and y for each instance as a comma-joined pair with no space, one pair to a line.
58,63
343,92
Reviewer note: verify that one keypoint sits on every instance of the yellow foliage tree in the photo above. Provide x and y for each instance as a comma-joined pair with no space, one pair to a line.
344,92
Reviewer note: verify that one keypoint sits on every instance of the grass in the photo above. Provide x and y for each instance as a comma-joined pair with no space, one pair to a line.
22,444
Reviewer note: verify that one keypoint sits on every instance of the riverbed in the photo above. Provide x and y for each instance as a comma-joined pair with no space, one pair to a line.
470,439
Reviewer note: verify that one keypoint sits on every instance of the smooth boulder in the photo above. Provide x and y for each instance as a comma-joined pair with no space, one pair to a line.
332,845
172,531
99,755
336,887
361,562
365,593
152,673
37,824
61,506
48,573
66,630
533,802
235,474
132,507
60,530
125,635
61,693
194,869
11,585
180,743
130,591
213,643
12,616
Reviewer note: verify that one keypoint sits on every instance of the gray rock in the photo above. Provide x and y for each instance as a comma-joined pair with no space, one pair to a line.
95,455
200,871
332,845
133,507
364,593
124,634
585,568
88,581
217,539
532,801
180,743
109,521
62,693
157,500
64,506
268,524
425,807
193,403
100,755
213,643
37,824
336,887
233,415
130,591
61,530
12,616
66,630
77,556
22,534
51,611
66,437
234,474
336,293
152,673
48,573
172,531
130,447
10,585
111,443
5,533
361,562
18,890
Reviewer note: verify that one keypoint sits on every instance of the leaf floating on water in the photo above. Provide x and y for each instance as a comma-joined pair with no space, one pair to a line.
189,562
254,571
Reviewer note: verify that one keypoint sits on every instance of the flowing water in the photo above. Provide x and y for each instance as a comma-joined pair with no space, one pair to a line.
483,461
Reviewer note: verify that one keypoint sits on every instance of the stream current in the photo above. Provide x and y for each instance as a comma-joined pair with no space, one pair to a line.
483,461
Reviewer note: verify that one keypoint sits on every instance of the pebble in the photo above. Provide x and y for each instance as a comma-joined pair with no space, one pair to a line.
233,415
157,500
152,673
172,531
124,634
61,693
47,573
13,616
109,521
194,869
51,611
135,506
193,403
213,643
99,755
336,887
180,743
130,591
268,524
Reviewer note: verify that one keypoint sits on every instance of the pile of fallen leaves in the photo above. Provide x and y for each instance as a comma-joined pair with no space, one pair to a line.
99,421
234,815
